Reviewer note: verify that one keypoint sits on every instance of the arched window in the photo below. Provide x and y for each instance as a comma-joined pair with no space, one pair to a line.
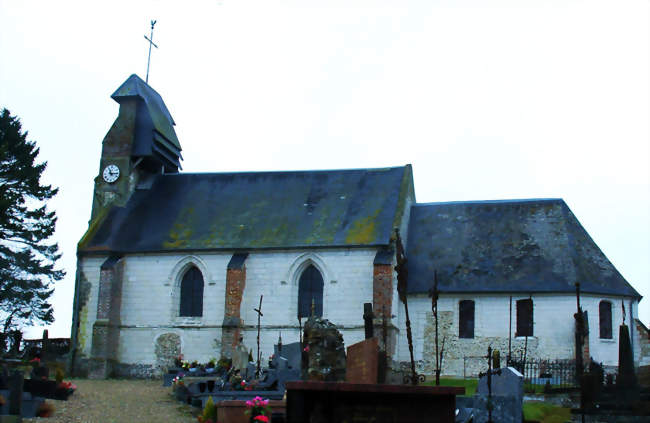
605,319
524,318
192,293
310,287
466,319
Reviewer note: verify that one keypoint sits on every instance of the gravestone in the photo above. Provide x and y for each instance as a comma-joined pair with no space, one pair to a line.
507,397
15,392
4,377
325,351
291,352
362,362
316,402
626,378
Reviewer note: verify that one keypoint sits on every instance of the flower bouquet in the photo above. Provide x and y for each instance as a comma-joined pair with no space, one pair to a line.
258,410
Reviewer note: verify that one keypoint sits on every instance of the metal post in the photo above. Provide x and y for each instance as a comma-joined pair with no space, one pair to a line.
510,333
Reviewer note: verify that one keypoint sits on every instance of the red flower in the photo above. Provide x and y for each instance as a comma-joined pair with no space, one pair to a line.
306,349
35,360
261,418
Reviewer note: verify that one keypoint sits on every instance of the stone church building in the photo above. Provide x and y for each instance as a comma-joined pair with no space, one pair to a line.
176,263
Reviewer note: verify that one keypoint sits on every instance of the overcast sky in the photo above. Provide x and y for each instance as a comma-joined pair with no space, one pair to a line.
487,99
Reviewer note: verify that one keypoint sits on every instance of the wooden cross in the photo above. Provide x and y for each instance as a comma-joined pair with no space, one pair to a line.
259,316
151,43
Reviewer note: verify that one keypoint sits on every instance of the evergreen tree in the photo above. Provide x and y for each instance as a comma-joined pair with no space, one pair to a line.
27,259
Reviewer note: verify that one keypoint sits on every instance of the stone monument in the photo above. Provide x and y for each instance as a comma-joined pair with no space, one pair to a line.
324,351
240,357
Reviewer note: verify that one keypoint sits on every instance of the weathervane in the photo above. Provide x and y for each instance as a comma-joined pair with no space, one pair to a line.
151,43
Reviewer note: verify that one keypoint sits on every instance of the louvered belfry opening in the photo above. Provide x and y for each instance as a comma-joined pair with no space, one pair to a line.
524,317
310,287
192,293
466,319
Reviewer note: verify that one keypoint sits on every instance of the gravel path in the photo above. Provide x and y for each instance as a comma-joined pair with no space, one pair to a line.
119,401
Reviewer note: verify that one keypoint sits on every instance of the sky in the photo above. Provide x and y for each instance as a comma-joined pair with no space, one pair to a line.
486,99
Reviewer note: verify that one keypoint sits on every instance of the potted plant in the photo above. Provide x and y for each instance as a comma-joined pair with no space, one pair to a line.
45,409
194,366
210,365
224,363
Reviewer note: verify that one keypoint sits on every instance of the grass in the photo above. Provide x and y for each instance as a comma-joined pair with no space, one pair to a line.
546,413
531,388
469,384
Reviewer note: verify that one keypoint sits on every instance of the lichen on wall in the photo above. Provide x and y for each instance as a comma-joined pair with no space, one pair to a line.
83,296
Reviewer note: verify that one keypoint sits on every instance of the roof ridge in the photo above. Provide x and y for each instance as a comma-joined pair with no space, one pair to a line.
487,202
250,172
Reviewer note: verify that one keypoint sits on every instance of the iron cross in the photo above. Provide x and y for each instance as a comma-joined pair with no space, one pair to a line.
259,316
151,43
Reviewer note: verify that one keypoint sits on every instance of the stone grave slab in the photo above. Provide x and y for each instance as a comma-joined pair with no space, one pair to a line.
362,362
338,402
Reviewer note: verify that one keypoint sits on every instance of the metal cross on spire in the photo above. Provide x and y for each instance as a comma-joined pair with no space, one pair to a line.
151,43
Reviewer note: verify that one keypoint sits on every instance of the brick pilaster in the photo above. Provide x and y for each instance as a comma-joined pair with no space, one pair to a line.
232,322
106,329
382,300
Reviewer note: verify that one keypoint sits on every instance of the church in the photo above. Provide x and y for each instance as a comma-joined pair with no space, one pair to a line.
177,263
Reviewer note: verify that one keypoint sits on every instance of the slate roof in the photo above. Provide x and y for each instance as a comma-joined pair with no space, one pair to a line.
154,132
243,211
526,246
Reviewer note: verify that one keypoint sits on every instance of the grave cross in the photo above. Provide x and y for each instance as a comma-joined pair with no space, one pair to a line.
259,317
151,43
402,285
434,294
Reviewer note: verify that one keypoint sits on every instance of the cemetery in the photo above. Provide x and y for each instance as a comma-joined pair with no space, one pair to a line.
31,377
319,379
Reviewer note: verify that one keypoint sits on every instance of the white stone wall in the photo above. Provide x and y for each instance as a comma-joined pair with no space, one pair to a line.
553,329
150,299
150,303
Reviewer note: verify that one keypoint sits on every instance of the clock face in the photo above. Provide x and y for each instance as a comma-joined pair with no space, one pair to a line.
111,173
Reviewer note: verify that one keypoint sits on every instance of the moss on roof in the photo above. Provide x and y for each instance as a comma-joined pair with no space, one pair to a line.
256,210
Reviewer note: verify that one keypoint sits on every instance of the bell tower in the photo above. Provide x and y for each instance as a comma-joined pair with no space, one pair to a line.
141,144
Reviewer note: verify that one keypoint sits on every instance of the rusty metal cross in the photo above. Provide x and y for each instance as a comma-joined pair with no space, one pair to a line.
259,317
